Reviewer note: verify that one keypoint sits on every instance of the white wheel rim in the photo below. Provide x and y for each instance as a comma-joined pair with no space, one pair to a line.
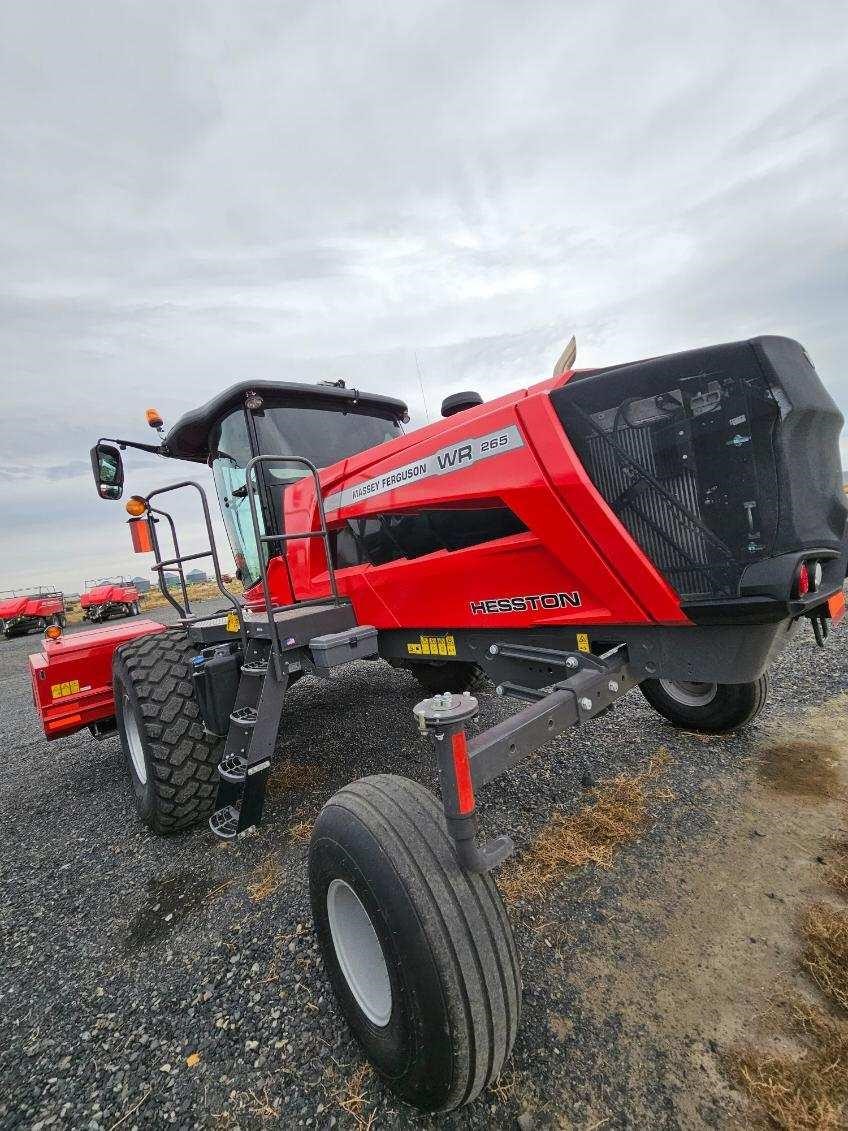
136,750
688,693
359,953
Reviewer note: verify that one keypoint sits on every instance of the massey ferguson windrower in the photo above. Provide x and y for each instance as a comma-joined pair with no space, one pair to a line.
667,524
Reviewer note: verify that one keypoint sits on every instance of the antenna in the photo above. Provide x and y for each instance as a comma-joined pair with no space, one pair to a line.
421,386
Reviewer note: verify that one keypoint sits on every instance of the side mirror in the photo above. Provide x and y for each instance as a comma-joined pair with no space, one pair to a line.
108,468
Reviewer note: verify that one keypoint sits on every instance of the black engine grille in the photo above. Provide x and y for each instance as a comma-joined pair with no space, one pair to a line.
682,449
662,514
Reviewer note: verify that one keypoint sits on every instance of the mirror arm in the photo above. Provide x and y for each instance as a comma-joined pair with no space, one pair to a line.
156,449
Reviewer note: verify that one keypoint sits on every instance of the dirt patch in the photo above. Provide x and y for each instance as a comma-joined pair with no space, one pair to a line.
167,902
803,758
726,938
807,768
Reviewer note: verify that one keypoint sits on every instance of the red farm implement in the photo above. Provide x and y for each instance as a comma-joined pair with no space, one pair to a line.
23,611
109,597
667,524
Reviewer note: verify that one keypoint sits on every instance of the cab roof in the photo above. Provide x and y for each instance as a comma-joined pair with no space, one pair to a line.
189,437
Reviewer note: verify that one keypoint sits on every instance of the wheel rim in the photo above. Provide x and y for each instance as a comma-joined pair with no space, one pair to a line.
689,693
136,750
359,953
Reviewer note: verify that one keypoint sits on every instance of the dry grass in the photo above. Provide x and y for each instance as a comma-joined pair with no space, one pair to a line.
73,612
268,874
837,869
288,777
808,1090
267,877
825,957
353,1097
261,1106
805,1092
618,813
201,591
301,831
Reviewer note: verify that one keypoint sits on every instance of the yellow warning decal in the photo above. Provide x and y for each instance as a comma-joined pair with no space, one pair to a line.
60,690
432,646
583,642
233,624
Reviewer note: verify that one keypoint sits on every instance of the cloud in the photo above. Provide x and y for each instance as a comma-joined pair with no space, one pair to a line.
191,196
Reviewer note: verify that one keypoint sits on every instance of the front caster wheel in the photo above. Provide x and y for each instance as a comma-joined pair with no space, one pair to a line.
419,953
711,708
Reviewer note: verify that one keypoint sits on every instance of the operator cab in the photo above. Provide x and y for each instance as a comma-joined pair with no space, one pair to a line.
322,423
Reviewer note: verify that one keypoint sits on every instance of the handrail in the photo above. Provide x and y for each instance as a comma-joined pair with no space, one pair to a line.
180,559
252,484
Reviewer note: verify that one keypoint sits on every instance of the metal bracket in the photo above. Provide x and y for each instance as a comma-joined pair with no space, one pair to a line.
443,717
465,766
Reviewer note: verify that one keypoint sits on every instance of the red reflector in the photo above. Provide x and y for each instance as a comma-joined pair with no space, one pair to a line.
462,771
64,722
836,607
142,542
803,580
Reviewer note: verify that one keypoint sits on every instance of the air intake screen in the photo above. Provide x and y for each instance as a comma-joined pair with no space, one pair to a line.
681,447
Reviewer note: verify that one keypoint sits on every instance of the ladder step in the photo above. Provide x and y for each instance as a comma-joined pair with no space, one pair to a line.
224,822
259,668
244,717
233,768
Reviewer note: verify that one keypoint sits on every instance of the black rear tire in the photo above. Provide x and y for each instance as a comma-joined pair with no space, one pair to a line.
708,708
439,1010
449,675
171,760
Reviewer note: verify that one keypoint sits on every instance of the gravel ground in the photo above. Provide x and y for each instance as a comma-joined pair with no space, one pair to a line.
150,983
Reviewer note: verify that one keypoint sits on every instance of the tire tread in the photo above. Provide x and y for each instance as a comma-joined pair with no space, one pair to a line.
467,916
183,755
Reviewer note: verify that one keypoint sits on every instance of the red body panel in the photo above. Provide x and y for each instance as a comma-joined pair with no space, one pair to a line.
33,605
574,543
72,677
109,594
12,607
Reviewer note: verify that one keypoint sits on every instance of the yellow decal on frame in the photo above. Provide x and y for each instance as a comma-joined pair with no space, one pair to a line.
432,646
60,690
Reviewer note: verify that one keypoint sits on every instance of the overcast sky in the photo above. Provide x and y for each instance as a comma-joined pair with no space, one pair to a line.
194,193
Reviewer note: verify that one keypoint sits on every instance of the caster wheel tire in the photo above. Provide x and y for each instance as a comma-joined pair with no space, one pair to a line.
711,708
419,952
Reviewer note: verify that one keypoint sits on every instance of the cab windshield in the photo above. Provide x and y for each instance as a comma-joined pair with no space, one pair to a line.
323,436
